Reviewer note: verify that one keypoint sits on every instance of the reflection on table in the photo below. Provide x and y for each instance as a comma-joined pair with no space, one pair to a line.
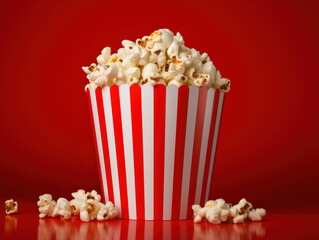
129,229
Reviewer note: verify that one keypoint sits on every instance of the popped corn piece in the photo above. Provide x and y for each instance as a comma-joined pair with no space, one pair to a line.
80,194
240,211
11,206
107,211
197,216
46,205
75,205
104,57
62,209
93,195
217,211
256,214
89,210
223,84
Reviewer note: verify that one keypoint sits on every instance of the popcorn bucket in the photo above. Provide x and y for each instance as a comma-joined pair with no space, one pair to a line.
155,147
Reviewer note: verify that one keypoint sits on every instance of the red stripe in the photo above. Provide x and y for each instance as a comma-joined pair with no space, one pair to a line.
107,164
182,106
95,142
209,147
159,148
136,111
220,122
118,134
201,105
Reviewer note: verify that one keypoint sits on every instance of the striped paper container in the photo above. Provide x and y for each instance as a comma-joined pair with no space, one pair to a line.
155,147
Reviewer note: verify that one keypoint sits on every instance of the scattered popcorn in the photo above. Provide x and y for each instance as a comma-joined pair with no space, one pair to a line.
256,214
161,58
107,211
11,206
46,205
89,210
80,194
85,204
75,205
240,211
93,195
62,209
219,211
198,214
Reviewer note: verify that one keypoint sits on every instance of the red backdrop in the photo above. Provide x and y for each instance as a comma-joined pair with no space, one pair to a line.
268,147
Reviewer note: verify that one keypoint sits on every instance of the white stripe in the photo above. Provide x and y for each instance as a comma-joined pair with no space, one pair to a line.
112,150
170,136
211,165
188,152
203,150
99,141
125,102
148,148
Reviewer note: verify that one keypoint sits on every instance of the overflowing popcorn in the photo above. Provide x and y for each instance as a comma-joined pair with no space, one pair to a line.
219,211
85,204
161,58
11,206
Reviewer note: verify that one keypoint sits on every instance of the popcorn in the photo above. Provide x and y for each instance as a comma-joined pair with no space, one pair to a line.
93,195
75,205
221,83
179,80
256,214
199,213
11,206
107,211
150,73
80,194
85,204
219,211
240,211
104,57
89,210
132,75
46,205
62,209
163,50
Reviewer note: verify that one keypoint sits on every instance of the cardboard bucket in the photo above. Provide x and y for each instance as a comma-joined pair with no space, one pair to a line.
155,147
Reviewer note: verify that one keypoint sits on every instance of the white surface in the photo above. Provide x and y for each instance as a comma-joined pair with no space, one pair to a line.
203,150
148,148
125,103
170,136
219,111
189,143
98,140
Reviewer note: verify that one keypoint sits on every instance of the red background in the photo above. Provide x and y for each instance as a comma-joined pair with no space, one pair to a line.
268,146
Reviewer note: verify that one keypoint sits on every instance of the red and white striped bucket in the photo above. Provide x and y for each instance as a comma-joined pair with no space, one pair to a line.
155,147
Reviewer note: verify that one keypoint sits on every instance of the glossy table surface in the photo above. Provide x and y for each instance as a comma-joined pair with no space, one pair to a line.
278,224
